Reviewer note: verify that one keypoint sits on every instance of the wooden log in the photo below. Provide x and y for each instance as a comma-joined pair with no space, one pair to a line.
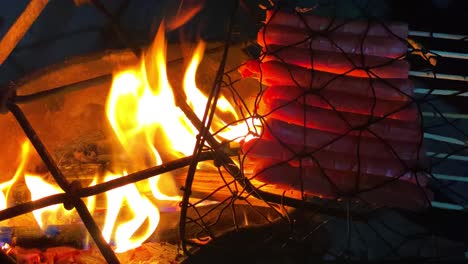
210,183
73,235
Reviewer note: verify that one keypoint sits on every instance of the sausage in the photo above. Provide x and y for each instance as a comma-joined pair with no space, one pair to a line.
277,73
316,139
339,63
318,23
333,42
334,184
344,102
302,156
340,122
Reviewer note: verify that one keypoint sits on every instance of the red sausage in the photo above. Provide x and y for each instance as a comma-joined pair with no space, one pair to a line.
317,23
340,122
335,42
340,63
316,139
343,102
277,73
298,155
333,184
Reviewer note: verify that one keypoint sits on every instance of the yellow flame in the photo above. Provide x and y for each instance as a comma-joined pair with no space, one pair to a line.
142,111
142,209
197,101
39,188
6,186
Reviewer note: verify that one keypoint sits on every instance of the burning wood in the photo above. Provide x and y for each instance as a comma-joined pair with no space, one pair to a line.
92,161
147,253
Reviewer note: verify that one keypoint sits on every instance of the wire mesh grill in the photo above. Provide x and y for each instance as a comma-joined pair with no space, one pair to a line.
340,132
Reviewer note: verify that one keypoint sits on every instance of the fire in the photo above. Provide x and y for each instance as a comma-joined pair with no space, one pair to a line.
141,208
197,101
5,187
40,188
142,111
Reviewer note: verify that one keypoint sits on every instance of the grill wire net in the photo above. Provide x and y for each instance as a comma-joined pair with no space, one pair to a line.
340,163
307,192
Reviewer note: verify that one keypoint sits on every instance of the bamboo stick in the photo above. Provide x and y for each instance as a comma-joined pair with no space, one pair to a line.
20,27
446,156
450,177
426,34
445,115
441,53
440,92
447,206
434,75
444,139
449,54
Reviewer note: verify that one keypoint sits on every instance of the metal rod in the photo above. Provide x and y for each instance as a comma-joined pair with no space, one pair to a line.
21,99
75,200
437,35
28,207
142,175
204,128
20,27
101,187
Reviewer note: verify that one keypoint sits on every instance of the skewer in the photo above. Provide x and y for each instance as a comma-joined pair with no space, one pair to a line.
449,54
447,206
450,177
441,53
446,115
426,34
435,75
440,92
446,156
444,139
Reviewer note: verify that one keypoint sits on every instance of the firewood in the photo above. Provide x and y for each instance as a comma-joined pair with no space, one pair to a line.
73,235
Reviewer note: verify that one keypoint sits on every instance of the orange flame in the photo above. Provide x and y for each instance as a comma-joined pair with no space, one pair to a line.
40,188
143,210
142,112
6,186
186,11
